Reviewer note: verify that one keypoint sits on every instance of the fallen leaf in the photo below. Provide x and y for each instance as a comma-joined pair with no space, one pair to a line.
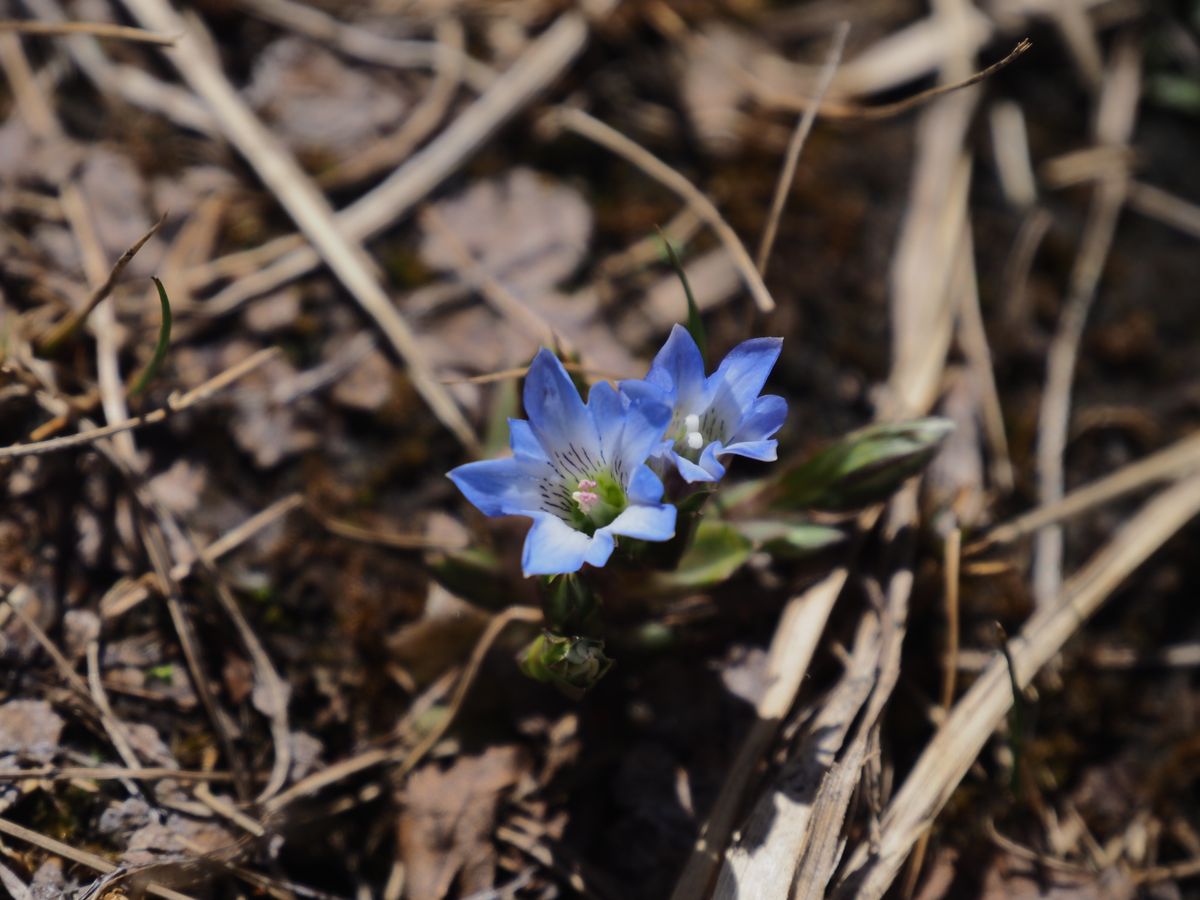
180,837
80,627
30,729
179,488
314,101
527,231
446,822
368,385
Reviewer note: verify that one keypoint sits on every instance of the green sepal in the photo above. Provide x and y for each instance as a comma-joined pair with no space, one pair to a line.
569,603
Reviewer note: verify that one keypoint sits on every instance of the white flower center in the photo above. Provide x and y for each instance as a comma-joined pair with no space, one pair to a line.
692,436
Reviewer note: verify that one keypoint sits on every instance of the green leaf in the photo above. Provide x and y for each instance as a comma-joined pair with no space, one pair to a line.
717,552
1178,92
864,467
160,350
1017,718
475,574
789,540
695,325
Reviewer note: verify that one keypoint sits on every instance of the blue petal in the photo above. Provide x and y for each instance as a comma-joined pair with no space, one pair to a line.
553,547
644,486
645,422
646,391
690,471
747,366
498,487
556,413
679,367
648,523
764,418
763,451
601,547
608,412
524,442
709,461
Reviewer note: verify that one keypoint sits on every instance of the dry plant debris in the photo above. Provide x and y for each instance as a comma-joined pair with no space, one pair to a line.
251,643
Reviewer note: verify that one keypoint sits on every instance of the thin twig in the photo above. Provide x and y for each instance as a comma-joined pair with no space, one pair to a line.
522,371
792,157
504,301
1117,105
391,150
1175,461
366,45
948,757
110,773
307,206
281,260
792,647
191,398
395,540
82,857
832,109
95,29
347,768
63,331
114,727
587,126
127,595
274,695
482,646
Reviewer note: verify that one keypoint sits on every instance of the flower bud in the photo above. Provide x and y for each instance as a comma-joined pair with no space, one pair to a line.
572,664
866,466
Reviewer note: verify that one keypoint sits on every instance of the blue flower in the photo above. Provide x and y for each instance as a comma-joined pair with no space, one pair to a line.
578,471
714,416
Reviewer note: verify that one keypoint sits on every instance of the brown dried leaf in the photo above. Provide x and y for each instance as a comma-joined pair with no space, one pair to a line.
180,837
527,231
316,102
368,385
30,729
446,824
80,627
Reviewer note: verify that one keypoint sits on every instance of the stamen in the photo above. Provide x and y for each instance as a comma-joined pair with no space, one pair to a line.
691,422
586,496
695,440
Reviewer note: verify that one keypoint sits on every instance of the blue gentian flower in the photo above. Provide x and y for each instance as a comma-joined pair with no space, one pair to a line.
578,471
714,416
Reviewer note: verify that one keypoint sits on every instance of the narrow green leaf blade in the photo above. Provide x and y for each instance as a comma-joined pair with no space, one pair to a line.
695,325
789,540
160,349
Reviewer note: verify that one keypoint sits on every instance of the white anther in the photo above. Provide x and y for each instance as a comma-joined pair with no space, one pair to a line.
691,422
695,440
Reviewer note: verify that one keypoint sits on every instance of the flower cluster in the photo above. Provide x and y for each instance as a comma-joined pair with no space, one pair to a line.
590,473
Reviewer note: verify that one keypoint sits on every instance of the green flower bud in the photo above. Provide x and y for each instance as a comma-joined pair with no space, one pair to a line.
572,664
864,467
